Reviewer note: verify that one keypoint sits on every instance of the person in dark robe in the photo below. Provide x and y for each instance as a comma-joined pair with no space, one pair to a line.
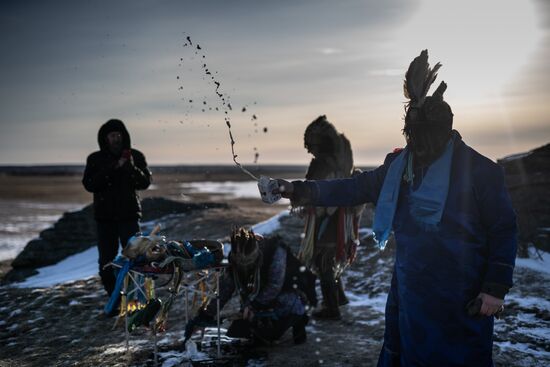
330,233
455,232
114,174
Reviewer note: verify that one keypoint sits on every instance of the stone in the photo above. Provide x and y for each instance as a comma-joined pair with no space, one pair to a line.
528,180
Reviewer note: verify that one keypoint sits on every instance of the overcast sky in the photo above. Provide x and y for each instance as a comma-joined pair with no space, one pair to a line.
68,66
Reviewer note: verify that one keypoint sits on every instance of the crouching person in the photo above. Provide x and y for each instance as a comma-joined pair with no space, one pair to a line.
268,279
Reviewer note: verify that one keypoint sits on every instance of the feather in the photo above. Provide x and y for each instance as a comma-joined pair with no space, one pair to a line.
440,90
418,79
430,78
415,76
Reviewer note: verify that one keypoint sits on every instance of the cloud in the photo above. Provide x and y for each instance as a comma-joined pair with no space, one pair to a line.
387,72
330,51
69,65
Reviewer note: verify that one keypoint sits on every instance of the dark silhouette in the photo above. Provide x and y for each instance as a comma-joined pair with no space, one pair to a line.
113,174
454,227
330,234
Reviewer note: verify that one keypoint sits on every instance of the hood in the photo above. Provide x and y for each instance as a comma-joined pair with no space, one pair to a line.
109,126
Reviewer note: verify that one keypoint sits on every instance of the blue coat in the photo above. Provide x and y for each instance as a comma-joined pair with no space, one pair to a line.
437,273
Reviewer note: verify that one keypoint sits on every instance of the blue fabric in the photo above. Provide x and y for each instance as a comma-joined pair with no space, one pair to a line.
426,203
437,273
387,200
114,299
190,248
202,258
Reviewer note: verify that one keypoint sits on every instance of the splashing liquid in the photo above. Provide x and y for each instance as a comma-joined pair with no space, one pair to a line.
225,102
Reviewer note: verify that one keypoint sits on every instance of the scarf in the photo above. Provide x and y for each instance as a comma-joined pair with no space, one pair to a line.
426,203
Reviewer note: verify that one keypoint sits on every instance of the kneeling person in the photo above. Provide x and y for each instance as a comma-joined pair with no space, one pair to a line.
262,272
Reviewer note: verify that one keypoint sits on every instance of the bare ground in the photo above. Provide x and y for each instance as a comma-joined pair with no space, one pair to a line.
64,325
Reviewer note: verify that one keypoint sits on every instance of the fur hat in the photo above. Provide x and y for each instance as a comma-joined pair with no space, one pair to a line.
150,246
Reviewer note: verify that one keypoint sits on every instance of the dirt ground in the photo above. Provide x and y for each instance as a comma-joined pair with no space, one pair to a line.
64,325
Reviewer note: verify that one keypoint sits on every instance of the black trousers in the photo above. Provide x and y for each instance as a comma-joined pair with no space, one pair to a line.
109,235
267,330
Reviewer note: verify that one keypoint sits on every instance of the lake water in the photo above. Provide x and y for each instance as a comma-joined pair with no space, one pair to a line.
23,220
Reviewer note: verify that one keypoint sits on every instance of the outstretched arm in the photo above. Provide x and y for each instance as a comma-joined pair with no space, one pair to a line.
356,190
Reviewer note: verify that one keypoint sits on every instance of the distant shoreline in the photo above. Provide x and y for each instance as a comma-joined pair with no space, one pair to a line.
78,169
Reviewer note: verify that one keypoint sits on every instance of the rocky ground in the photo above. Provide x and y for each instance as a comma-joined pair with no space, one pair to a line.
64,325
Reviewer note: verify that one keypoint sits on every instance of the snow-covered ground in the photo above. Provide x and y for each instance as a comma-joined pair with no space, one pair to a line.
538,261
522,337
76,267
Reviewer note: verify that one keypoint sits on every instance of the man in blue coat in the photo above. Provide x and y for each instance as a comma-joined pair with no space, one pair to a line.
455,233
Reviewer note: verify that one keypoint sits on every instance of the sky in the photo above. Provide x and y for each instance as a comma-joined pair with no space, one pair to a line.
69,66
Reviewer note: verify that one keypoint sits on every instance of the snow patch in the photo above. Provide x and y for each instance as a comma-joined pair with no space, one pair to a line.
173,358
13,327
369,322
35,320
271,225
377,303
75,267
114,350
529,302
536,263
524,348
15,313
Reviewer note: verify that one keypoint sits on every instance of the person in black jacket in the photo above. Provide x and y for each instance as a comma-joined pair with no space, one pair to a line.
113,174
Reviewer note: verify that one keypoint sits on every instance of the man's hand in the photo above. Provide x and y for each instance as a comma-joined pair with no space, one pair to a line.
121,162
286,188
490,305
126,157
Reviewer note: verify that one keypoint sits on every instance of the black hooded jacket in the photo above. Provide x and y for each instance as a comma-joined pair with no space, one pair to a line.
114,189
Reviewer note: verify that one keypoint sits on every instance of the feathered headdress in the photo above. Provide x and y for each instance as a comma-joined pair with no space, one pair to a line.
419,79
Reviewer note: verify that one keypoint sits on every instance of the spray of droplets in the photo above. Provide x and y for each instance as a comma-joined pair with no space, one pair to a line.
225,102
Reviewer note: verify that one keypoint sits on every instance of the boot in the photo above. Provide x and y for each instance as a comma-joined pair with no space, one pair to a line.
329,310
342,299
327,314
299,334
